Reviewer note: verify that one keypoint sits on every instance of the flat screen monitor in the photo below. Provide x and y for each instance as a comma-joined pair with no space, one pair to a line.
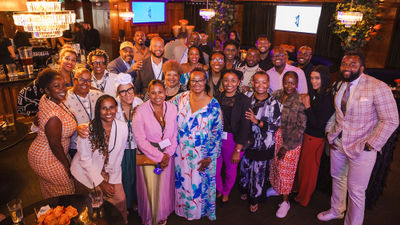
148,12
297,18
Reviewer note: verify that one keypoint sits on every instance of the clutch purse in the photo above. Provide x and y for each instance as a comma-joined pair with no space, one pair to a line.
143,160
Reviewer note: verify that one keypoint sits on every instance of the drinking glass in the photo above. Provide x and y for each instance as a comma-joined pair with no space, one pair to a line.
15,209
12,71
10,119
96,197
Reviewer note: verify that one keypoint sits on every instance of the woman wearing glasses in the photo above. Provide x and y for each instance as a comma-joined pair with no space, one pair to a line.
199,145
127,102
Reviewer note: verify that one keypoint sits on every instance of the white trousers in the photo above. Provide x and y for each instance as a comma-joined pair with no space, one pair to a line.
350,175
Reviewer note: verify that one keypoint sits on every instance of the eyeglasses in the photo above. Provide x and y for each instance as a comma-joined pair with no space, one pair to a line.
84,80
96,63
125,92
197,81
217,60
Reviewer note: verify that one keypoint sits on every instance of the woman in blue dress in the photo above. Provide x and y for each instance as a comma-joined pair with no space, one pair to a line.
199,145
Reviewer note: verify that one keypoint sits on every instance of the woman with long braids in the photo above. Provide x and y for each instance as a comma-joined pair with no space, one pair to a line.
48,154
97,163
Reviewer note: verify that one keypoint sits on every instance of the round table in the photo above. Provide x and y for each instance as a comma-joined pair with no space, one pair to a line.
111,215
13,135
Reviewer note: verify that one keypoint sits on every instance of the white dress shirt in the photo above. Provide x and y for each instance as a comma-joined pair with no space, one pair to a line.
157,69
275,78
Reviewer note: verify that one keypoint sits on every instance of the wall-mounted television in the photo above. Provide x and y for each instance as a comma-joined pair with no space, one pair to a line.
297,18
148,12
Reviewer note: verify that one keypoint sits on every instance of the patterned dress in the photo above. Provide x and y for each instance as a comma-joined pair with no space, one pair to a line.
53,179
199,137
185,78
254,167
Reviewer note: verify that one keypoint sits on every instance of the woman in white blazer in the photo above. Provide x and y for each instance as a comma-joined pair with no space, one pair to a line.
98,160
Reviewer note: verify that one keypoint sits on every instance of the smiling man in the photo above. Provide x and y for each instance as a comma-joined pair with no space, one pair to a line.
140,51
365,117
152,66
263,46
279,58
304,56
125,63
249,69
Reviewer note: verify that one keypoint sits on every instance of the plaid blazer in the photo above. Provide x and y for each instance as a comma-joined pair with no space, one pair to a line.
371,117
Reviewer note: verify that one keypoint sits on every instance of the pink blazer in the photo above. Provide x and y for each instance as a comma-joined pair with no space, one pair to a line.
146,129
371,117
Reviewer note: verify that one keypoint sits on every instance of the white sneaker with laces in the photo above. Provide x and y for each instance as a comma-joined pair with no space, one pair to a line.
271,192
283,209
329,215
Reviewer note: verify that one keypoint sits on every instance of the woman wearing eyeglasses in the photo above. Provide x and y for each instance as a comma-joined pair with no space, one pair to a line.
81,101
172,71
127,102
199,145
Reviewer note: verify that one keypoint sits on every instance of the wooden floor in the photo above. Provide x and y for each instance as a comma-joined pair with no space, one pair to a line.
18,180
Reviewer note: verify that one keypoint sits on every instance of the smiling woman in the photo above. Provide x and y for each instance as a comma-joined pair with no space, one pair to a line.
48,153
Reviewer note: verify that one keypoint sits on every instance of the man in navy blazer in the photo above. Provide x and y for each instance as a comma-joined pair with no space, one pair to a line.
125,63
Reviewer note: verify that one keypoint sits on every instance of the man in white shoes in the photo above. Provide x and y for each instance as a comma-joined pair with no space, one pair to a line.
365,117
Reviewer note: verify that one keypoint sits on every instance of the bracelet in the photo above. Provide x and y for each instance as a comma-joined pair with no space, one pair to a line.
238,150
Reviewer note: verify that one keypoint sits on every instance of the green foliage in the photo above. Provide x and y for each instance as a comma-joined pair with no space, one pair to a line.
357,36
224,17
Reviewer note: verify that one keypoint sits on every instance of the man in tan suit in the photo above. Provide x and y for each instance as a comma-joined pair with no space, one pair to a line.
365,117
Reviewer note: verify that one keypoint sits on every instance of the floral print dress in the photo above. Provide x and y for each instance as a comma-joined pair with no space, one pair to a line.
199,137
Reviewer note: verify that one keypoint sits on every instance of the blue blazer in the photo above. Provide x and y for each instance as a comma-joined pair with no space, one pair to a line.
118,66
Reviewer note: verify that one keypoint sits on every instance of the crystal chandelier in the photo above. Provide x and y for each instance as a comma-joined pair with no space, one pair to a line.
207,13
44,19
128,15
349,18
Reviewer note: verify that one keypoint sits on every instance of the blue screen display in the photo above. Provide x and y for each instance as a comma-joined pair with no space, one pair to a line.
148,12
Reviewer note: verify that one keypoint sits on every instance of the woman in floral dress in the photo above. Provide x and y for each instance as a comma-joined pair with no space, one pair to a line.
199,145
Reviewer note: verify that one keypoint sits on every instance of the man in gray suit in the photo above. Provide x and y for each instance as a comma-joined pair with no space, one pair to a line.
152,67
125,63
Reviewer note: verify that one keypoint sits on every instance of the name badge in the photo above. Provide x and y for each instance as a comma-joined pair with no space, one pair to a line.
224,135
164,143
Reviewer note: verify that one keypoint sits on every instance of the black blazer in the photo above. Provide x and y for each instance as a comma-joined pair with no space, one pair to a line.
239,124
144,76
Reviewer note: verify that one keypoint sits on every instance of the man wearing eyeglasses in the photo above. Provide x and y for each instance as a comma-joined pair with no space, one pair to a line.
81,100
102,79
279,60
304,56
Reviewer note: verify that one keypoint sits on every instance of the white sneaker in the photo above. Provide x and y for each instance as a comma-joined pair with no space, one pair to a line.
271,192
283,209
329,215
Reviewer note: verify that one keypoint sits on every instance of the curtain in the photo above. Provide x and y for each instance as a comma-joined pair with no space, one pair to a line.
258,18
327,44
393,60
191,13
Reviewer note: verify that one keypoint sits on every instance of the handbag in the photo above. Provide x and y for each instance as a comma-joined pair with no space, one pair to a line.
142,159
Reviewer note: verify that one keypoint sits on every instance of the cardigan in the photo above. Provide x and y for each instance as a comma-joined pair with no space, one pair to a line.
318,114
293,119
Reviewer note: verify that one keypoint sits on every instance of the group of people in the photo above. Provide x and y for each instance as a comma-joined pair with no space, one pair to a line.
165,128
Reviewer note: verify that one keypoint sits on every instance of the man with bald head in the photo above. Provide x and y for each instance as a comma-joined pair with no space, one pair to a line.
304,56
140,51
279,60
152,66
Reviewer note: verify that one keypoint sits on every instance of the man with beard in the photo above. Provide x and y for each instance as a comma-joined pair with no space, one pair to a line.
194,39
365,117
102,80
125,63
279,57
152,66
140,51
263,46
249,69
81,101
304,56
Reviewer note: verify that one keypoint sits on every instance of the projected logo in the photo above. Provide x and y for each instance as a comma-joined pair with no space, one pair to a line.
297,21
302,18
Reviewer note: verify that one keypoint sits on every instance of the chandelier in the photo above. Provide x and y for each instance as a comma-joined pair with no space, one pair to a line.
349,18
128,15
207,13
44,19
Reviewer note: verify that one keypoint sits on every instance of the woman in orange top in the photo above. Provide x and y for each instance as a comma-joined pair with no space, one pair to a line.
48,154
